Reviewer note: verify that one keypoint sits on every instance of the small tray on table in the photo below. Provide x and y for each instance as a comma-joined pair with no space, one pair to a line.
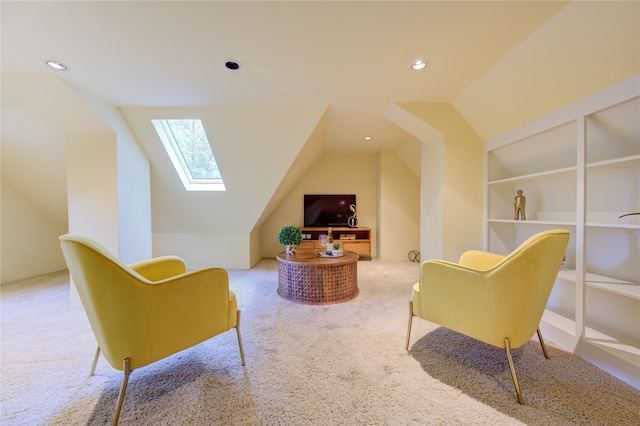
330,254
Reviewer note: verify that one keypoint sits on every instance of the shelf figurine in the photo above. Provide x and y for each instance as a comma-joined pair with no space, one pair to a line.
519,202
352,222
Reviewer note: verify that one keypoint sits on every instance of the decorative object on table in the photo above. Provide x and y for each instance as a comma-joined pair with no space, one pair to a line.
290,237
352,221
332,254
337,249
519,202
322,240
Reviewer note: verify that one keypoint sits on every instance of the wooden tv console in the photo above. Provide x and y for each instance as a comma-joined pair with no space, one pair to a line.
357,240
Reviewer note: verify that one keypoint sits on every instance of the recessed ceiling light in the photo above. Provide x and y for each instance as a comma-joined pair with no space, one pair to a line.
367,138
56,65
418,65
232,65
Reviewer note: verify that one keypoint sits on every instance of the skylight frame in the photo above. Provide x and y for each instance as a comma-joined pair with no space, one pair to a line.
177,159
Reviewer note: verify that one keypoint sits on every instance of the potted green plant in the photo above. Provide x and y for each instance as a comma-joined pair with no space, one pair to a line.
290,236
337,250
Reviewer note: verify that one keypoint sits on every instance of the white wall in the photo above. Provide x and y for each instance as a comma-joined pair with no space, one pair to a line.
451,178
108,193
255,241
33,196
30,244
92,188
398,227
133,183
104,173
205,250
134,202
464,188
432,189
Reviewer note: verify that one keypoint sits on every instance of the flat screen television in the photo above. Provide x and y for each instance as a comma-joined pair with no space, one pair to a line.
327,209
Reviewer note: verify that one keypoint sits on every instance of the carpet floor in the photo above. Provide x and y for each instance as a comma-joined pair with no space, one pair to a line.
339,364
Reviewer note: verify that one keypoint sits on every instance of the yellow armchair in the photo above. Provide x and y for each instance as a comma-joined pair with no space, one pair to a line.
143,312
496,299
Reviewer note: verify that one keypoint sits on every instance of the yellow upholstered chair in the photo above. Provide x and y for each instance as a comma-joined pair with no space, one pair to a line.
496,299
143,312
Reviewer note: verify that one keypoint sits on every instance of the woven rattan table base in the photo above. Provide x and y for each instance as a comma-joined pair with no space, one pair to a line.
318,281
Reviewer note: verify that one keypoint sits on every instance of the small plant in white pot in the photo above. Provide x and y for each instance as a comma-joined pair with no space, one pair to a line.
290,237
337,249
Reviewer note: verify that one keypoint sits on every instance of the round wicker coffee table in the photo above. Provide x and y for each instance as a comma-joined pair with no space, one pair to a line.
318,280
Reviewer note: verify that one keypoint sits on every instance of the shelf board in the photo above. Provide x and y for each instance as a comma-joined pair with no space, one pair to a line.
565,223
559,321
532,222
620,349
623,288
567,275
548,173
612,225
615,161
623,350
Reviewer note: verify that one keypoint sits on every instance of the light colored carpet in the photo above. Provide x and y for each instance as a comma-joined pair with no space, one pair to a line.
341,364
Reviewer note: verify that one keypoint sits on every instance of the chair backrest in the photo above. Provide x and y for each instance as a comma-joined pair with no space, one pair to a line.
116,299
518,287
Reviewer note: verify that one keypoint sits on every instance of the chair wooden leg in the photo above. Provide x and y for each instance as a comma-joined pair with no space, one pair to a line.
406,345
95,362
544,347
507,346
239,337
123,389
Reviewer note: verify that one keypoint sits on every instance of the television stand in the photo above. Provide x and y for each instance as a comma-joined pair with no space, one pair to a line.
357,240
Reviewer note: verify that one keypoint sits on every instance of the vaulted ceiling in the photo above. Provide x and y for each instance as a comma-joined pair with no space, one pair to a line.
351,58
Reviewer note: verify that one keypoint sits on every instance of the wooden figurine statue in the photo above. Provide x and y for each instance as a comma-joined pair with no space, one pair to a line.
519,203
352,222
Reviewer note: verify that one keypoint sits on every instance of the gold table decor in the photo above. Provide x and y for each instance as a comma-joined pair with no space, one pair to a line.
318,280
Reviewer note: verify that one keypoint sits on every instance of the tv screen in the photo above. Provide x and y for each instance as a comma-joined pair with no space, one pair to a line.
327,210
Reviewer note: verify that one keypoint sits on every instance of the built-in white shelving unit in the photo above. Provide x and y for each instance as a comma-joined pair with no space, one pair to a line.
579,168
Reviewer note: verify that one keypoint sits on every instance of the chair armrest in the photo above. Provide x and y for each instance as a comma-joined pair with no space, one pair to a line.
481,260
188,309
159,268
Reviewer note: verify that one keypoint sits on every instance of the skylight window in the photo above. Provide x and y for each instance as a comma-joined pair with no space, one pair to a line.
188,148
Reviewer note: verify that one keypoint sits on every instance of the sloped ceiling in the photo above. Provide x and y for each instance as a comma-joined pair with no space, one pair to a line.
584,48
354,57
347,60
254,148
